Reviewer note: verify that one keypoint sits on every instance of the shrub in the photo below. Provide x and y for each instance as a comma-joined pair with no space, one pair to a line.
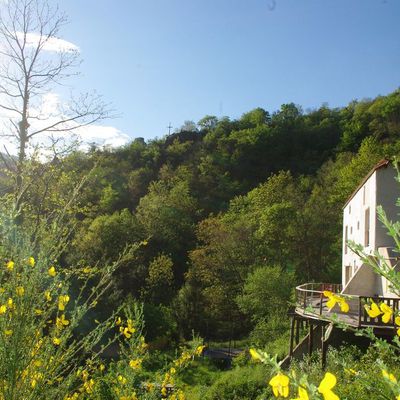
241,383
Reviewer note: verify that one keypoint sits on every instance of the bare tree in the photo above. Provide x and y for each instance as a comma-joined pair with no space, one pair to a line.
33,59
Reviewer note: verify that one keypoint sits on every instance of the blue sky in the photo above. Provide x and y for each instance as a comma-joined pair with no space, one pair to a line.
161,61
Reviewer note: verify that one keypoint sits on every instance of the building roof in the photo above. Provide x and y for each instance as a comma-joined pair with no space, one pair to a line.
381,164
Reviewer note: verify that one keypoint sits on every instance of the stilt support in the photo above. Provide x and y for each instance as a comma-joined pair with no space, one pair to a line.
292,325
310,338
324,348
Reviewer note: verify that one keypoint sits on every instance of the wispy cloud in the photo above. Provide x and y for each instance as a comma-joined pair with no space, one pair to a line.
52,44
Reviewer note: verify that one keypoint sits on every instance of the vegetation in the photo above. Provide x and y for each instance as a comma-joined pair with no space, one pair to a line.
112,260
217,248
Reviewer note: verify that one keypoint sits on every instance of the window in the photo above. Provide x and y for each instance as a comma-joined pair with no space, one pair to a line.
366,227
347,273
345,239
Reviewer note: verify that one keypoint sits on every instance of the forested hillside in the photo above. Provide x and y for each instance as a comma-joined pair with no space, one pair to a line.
230,214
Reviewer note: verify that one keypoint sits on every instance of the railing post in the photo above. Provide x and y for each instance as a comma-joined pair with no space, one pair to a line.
321,296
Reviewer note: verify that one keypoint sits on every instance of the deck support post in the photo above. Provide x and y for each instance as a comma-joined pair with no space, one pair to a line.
324,347
297,339
310,338
292,324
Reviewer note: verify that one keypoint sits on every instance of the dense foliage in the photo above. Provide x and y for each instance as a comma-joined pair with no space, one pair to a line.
219,207
210,228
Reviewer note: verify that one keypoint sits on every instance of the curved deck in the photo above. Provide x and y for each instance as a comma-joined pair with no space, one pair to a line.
311,303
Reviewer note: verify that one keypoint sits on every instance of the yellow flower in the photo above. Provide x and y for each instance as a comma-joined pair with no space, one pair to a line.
10,303
344,306
254,355
20,291
102,367
336,299
397,322
38,311
280,385
62,302
31,261
199,350
47,295
88,386
130,327
56,341
10,265
121,379
326,386
118,321
135,364
388,376
87,270
373,311
303,395
61,322
387,313
52,271
126,332
8,332
3,309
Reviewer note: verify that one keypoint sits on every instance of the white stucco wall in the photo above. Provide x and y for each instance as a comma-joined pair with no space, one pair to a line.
354,222
388,191
380,189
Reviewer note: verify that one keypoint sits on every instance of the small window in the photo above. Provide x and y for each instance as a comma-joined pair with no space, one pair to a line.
366,227
345,239
351,230
347,273
350,209
358,225
364,195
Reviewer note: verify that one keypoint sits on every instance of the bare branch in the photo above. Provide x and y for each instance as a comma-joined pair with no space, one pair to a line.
28,70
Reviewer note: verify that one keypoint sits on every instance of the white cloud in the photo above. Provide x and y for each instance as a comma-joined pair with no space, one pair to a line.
49,111
52,44
103,136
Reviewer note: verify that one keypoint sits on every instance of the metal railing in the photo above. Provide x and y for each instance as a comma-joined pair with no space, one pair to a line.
311,295
310,299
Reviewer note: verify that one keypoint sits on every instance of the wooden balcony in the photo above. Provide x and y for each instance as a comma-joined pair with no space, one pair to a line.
311,303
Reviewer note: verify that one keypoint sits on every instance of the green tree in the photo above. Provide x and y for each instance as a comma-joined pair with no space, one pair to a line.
160,279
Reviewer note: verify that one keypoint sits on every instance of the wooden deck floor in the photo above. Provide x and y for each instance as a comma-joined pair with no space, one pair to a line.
350,318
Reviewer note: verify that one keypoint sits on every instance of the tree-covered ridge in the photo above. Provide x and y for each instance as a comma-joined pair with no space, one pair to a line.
220,206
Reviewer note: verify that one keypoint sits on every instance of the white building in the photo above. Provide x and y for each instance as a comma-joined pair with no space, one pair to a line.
361,224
